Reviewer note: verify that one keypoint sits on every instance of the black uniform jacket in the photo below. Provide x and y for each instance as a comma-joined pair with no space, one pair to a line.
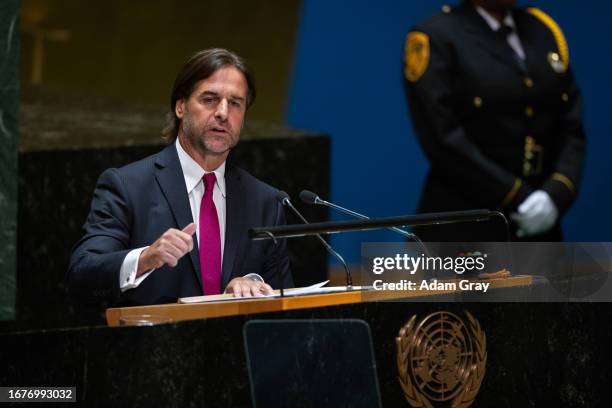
495,128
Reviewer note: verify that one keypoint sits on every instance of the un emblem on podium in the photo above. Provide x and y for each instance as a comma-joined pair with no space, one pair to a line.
441,360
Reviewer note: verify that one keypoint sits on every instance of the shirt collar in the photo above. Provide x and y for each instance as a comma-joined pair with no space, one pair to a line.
193,173
492,21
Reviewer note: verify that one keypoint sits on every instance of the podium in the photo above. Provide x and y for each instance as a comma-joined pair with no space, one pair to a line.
540,354
247,306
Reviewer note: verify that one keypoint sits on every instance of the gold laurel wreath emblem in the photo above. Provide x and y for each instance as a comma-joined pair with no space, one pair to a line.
476,372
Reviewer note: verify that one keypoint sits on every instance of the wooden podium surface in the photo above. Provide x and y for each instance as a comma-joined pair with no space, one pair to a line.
178,312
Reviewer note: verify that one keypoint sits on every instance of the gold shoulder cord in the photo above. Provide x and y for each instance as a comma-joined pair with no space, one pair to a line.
564,54
556,31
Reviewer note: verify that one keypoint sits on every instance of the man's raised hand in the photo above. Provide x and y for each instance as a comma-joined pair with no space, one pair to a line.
167,250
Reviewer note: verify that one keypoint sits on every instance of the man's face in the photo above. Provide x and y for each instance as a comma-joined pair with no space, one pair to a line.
213,115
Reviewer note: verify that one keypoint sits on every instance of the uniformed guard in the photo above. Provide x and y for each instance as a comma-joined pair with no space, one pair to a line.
497,110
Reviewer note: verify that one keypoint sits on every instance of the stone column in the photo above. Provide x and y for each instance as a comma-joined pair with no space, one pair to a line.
9,100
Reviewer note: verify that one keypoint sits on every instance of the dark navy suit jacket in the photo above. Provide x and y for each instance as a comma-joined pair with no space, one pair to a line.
135,204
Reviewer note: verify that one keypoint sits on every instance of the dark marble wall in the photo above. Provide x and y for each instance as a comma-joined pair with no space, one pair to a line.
9,100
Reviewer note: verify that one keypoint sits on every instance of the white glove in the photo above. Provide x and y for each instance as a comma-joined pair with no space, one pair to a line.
537,214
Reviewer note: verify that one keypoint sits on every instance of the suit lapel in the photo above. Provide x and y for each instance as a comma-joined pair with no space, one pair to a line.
235,220
169,176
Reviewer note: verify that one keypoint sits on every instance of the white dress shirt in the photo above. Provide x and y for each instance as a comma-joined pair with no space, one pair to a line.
513,39
193,174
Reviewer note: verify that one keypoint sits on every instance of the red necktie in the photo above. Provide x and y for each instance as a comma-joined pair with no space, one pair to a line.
210,240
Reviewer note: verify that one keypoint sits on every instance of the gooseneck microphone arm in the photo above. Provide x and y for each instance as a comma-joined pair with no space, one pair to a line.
278,269
283,197
311,198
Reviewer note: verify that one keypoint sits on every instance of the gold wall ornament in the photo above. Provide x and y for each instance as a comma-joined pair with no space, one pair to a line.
441,359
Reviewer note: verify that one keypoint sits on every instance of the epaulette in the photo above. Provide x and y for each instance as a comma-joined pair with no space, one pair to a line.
556,32
444,12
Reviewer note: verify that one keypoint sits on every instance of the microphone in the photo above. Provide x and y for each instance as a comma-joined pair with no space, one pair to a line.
283,198
311,198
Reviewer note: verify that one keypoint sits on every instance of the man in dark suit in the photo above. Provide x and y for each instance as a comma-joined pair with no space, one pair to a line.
498,113
144,215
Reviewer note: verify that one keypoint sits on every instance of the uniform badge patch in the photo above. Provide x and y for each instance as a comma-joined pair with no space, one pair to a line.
416,57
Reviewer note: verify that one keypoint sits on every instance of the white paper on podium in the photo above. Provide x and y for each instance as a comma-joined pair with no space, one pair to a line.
303,291
311,290
308,290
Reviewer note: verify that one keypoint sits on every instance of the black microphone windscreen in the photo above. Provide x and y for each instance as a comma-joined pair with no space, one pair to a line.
282,196
308,197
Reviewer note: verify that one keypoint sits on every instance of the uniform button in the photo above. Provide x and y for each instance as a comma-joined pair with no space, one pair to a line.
446,8
529,111
528,82
477,101
564,97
